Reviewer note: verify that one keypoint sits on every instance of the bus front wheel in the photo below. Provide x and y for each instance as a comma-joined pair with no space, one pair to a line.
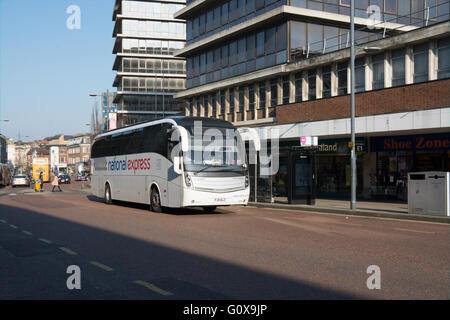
155,201
108,198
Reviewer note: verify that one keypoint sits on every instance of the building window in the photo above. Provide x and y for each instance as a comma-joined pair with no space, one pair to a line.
342,78
398,67
286,89
360,79
326,82
262,95
298,87
273,92
214,105
311,84
251,97
241,99
222,102
420,58
231,100
443,55
378,71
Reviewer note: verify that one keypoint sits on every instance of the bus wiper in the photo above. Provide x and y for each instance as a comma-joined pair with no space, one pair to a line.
209,166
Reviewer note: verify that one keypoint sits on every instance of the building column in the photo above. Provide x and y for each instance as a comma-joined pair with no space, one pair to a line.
210,106
279,91
387,70
432,61
305,86
256,100
187,107
201,106
409,66
334,80
194,106
236,103
319,84
291,87
368,74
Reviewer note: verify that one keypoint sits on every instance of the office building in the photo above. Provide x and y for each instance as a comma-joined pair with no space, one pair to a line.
147,34
285,65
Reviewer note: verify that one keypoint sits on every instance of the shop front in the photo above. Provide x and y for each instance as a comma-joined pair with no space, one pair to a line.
398,155
333,168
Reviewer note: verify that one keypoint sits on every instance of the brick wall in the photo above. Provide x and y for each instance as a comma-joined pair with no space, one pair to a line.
421,96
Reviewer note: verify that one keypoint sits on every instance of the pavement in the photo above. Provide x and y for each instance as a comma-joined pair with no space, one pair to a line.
393,210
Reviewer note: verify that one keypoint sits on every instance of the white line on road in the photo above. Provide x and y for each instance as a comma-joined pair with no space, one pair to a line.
45,240
101,266
153,288
417,231
68,251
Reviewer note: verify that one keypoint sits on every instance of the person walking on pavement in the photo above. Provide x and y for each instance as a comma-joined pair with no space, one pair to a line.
41,179
55,183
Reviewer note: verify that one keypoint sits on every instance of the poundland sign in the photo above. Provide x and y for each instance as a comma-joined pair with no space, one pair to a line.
425,142
340,146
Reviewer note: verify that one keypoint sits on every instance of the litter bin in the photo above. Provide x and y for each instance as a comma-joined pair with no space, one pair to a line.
429,193
37,185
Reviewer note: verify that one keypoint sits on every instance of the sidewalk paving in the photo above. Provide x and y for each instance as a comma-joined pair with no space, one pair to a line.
393,210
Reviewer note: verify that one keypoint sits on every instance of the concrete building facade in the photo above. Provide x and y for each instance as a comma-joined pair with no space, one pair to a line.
147,73
284,65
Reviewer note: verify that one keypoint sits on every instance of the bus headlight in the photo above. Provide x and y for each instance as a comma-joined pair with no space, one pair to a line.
187,180
246,181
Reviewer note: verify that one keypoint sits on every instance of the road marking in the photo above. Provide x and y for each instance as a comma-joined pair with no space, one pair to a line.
417,231
153,288
45,240
27,232
101,266
3,221
13,226
68,251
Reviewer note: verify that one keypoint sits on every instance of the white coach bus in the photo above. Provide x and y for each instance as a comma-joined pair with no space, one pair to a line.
173,162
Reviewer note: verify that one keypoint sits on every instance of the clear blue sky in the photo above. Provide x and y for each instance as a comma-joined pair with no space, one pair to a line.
47,71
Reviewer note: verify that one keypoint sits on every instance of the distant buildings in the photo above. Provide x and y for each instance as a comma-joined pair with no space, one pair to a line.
79,149
148,74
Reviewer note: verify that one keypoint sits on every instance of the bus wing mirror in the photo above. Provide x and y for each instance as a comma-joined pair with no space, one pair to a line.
177,164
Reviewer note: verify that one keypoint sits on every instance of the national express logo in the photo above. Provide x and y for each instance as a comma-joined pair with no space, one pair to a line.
140,164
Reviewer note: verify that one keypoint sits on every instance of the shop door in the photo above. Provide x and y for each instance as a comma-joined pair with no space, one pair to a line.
301,178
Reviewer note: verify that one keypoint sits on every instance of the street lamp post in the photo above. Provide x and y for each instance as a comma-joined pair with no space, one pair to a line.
352,103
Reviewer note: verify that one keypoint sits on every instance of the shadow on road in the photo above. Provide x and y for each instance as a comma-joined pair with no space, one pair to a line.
171,211
187,275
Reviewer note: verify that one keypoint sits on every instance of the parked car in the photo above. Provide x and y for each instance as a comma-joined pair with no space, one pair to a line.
64,178
20,180
82,177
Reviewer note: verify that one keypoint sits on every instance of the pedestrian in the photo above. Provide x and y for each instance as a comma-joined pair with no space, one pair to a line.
41,179
55,183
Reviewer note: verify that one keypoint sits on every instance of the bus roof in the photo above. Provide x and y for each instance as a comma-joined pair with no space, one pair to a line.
182,121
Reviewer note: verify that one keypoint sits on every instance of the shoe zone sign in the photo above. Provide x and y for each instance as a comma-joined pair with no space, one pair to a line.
423,142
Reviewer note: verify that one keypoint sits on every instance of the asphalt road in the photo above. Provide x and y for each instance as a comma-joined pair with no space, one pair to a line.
124,251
